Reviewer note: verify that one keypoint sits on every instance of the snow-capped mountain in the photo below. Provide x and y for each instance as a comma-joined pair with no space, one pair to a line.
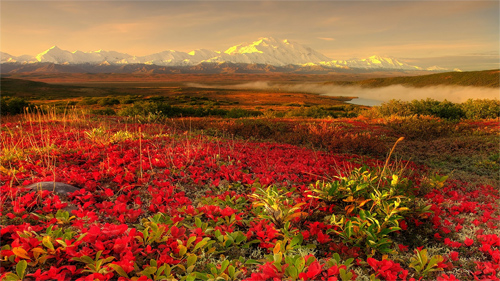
4,57
176,58
267,51
270,51
373,62
59,56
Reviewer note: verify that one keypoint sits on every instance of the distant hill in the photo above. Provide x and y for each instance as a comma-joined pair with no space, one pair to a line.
27,88
202,68
485,78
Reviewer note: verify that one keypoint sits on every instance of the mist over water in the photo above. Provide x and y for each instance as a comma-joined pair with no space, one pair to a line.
371,96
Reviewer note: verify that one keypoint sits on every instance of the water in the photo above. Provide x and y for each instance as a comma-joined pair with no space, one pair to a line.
367,102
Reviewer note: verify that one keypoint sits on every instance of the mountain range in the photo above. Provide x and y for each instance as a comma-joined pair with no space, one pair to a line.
265,51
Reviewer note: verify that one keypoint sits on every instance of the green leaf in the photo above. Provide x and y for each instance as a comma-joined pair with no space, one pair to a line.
160,270
201,276
167,270
310,260
240,238
224,265
300,263
197,222
231,270
201,243
190,241
98,254
191,260
148,271
247,245
219,235
348,262
11,276
336,257
297,240
108,259
292,271
182,250
423,257
191,277
119,270
434,262
87,259
228,242
21,268
344,275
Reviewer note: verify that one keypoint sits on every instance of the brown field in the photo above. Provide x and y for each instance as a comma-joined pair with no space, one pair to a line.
78,78
176,90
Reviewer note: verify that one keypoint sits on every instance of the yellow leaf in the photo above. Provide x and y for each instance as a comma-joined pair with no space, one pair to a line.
364,202
4,170
39,250
295,215
349,209
47,243
299,204
349,199
20,252
277,247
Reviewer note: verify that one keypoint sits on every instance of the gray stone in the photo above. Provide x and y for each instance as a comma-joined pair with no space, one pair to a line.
56,187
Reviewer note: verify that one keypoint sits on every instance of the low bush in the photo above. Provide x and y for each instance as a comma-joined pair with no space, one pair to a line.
145,108
481,109
105,111
108,101
471,109
421,127
12,106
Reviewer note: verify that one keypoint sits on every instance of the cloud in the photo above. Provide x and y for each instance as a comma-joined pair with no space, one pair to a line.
326,38
339,29
457,94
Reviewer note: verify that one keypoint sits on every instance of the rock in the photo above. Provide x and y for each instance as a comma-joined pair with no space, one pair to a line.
57,187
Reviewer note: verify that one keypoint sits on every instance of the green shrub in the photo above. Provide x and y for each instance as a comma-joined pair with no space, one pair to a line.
163,109
430,107
105,111
127,100
422,127
136,109
239,113
395,107
108,101
319,112
12,106
471,109
88,101
481,109
369,206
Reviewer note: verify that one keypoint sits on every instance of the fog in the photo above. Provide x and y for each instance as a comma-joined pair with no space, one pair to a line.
371,96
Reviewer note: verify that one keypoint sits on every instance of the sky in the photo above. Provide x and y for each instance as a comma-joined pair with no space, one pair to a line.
451,34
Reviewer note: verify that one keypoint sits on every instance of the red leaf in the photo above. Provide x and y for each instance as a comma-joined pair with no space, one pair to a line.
314,269
468,242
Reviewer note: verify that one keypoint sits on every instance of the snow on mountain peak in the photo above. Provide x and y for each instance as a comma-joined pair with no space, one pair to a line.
372,62
268,50
55,48
265,50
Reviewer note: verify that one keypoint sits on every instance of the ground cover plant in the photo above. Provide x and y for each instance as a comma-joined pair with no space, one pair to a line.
199,199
